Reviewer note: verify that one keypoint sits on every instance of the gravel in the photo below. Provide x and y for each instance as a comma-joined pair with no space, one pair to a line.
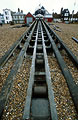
15,105
64,104
5,70
8,36
67,32
72,68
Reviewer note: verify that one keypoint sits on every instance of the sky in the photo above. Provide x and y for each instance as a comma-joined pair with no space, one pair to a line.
31,5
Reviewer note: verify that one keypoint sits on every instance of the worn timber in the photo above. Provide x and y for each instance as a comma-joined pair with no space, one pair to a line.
73,87
40,104
76,40
62,44
17,44
4,94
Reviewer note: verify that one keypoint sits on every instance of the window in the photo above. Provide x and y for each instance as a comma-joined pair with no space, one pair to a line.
5,13
20,16
15,17
66,14
65,18
6,18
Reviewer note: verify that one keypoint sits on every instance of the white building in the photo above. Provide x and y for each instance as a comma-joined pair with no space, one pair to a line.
2,18
7,15
18,17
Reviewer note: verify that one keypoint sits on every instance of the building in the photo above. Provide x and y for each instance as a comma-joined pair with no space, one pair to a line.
18,17
65,15
42,12
7,15
2,18
29,18
48,17
74,17
56,17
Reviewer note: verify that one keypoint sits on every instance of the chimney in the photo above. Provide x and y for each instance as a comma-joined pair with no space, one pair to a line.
18,10
21,11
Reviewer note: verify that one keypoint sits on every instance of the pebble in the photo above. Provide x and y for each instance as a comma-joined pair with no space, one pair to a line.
8,36
64,104
15,105
17,97
4,72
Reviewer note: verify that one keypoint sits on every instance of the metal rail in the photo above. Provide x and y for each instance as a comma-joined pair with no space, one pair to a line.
6,89
73,88
68,51
7,55
40,104
76,40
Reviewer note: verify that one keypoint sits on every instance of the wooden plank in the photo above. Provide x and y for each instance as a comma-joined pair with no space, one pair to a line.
5,92
73,88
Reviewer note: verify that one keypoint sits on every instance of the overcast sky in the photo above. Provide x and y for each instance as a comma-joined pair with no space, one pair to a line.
31,5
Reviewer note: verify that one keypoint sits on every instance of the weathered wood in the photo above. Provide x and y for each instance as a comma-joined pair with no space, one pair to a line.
7,55
69,52
26,114
49,84
73,88
6,89
76,40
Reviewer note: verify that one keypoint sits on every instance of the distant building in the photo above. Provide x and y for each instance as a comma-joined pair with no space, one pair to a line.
42,12
74,17
7,15
2,18
65,15
18,17
56,17
48,17
29,18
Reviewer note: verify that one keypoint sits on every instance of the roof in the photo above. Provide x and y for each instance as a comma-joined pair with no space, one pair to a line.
74,15
18,13
42,7
6,9
55,15
39,15
41,10
48,16
65,11
29,15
